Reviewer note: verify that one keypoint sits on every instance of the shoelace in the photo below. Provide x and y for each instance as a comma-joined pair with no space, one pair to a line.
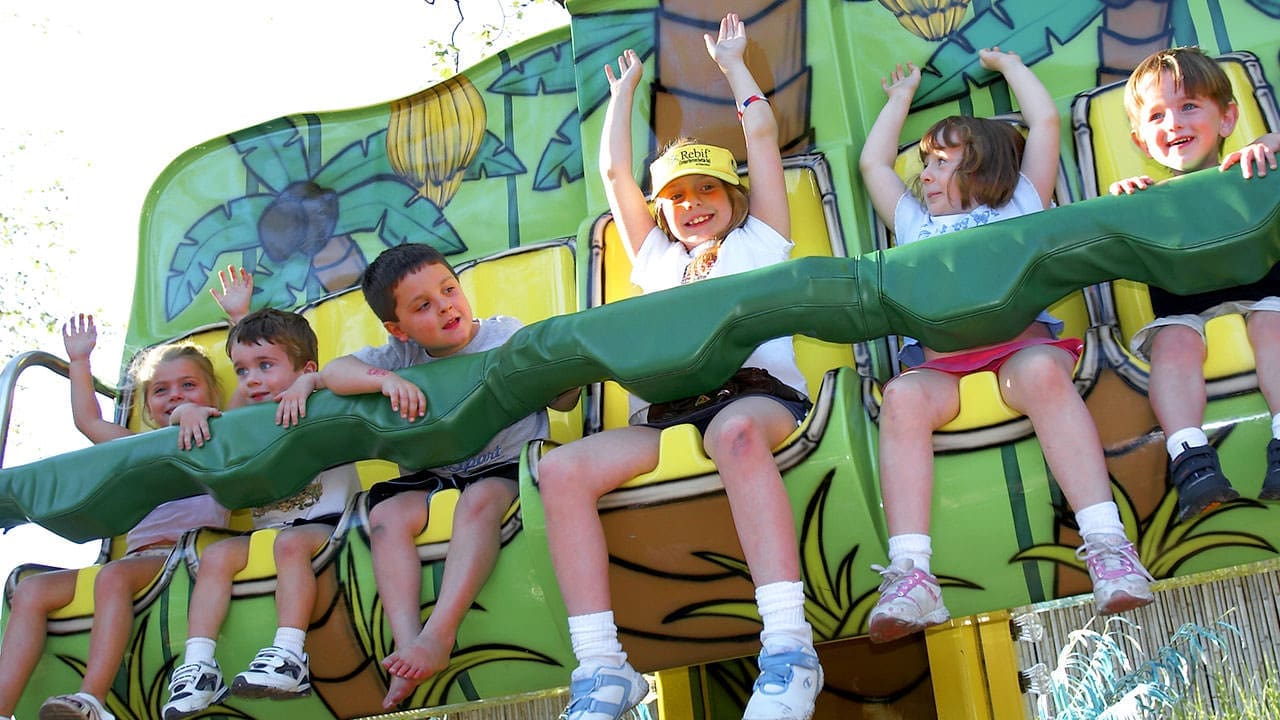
777,668
901,582
1111,561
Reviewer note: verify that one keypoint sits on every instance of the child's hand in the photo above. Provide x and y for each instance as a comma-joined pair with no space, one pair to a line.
1254,160
995,60
79,336
1129,186
902,83
237,292
291,404
406,398
727,49
193,424
629,71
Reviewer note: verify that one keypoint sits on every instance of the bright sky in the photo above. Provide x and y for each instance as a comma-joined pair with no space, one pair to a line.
100,97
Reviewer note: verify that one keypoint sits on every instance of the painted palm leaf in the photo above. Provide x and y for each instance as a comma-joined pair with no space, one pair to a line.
273,153
1027,27
561,161
390,208
494,159
232,227
544,72
612,33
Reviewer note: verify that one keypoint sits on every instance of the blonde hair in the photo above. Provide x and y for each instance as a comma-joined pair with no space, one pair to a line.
144,370
738,202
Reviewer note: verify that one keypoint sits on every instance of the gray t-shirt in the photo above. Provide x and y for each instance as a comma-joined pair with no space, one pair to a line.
504,447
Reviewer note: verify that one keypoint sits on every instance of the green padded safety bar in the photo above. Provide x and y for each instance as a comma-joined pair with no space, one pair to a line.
978,286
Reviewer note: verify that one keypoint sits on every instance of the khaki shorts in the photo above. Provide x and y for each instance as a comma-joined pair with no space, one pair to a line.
1140,343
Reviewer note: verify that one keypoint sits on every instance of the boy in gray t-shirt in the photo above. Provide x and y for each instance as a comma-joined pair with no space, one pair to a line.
416,294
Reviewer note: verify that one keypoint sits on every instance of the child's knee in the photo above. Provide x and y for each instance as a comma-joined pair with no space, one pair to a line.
224,559
400,515
557,469
1177,345
295,547
908,401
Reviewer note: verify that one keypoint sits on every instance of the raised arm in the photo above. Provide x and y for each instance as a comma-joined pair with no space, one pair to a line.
626,199
768,195
349,376
880,150
80,336
1040,158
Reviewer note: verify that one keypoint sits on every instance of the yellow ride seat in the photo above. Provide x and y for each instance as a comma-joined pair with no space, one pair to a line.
814,232
1106,153
981,404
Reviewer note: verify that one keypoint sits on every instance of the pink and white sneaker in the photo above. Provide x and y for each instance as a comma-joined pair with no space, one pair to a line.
910,601
1120,582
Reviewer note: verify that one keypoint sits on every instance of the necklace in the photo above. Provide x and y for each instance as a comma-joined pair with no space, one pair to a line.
700,266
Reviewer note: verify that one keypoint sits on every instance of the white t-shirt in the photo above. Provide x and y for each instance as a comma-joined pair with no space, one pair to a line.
912,223
167,522
661,262
327,494
504,447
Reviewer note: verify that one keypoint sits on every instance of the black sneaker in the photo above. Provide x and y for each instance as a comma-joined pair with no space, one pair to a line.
1199,480
1271,483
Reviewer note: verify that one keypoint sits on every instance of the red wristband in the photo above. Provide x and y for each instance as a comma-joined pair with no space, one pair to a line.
748,101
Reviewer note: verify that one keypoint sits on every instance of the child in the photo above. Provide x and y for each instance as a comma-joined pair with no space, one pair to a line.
706,226
167,377
415,293
978,171
1181,109
274,355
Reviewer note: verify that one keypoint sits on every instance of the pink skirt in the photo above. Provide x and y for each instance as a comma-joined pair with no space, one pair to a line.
993,357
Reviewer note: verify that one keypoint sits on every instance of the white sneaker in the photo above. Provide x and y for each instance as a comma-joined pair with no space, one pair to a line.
605,694
1120,582
910,601
787,687
77,706
275,673
194,687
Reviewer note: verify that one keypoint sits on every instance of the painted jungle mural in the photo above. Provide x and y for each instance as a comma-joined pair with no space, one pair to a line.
495,167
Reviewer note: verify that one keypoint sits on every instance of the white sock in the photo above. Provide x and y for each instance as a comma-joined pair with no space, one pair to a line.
1102,518
1275,426
916,547
781,606
1185,439
595,642
199,649
290,639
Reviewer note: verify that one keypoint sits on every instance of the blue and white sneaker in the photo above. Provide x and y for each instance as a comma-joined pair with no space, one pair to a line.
605,694
787,687
274,673
194,687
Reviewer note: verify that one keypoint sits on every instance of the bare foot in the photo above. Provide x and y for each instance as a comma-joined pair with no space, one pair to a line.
419,659
399,689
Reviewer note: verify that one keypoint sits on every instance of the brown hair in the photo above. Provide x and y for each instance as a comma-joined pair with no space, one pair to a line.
991,157
288,330
1196,74
388,269
144,369
738,202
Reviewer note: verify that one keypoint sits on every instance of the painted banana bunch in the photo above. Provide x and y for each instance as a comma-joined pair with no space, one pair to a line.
928,19
434,135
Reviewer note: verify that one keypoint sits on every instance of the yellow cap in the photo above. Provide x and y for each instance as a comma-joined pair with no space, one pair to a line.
693,160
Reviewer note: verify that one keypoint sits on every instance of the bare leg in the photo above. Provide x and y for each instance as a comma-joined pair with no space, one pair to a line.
473,551
572,478
1177,391
915,404
211,596
1264,335
113,592
740,439
394,524
1036,381
295,580
33,599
